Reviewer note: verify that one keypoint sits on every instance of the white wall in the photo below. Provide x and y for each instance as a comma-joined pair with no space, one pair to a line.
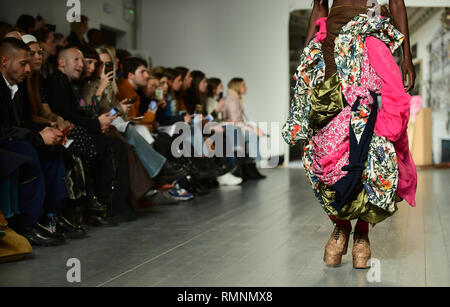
422,37
54,12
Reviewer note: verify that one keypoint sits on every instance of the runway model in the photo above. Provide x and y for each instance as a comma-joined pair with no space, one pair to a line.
351,110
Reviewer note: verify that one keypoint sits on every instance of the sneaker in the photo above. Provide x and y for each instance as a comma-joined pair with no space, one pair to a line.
229,179
178,193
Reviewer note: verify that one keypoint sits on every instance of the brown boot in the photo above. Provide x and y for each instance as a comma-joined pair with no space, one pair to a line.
361,250
336,246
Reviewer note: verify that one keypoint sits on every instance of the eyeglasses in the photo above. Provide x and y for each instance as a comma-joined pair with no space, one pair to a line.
40,52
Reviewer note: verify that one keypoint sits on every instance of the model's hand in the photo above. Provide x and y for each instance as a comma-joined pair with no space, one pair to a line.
408,70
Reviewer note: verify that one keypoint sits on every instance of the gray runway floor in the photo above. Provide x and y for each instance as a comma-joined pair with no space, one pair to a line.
266,233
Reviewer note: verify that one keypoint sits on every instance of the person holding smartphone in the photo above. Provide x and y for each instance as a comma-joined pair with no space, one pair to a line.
137,137
215,100
165,115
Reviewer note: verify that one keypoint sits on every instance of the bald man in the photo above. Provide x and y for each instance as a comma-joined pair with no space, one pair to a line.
111,164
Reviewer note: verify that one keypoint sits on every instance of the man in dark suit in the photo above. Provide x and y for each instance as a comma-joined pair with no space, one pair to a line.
41,179
111,167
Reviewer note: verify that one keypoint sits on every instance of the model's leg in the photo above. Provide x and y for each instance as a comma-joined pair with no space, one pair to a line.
338,242
341,223
362,227
361,245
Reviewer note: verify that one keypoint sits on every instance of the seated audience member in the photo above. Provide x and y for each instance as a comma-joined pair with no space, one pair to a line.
40,24
64,94
233,113
101,92
180,96
15,33
135,75
175,82
40,112
42,188
60,41
196,100
166,114
121,56
46,40
77,32
196,93
26,24
186,76
215,100
5,28
95,38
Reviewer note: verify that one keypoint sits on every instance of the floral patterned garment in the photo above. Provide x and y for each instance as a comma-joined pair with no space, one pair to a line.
349,46
331,144
348,55
310,73
330,148
380,177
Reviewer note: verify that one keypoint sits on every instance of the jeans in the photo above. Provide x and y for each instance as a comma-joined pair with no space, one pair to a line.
150,158
9,198
41,180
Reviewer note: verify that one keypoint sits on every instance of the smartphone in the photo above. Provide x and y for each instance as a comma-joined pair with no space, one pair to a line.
220,96
159,93
109,67
153,105
114,112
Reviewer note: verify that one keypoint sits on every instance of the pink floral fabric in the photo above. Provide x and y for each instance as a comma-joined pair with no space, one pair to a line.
393,118
331,148
331,144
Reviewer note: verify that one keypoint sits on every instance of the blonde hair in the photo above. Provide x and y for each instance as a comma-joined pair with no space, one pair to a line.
158,70
111,51
235,85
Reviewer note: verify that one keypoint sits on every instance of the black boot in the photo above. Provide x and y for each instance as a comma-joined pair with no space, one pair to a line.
252,172
96,219
68,229
94,205
169,173
41,236
74,211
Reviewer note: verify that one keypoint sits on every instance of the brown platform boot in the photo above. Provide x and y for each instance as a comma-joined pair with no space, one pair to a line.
361,250
336,246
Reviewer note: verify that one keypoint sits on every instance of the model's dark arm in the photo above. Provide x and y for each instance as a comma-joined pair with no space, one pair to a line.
398,11
319,10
